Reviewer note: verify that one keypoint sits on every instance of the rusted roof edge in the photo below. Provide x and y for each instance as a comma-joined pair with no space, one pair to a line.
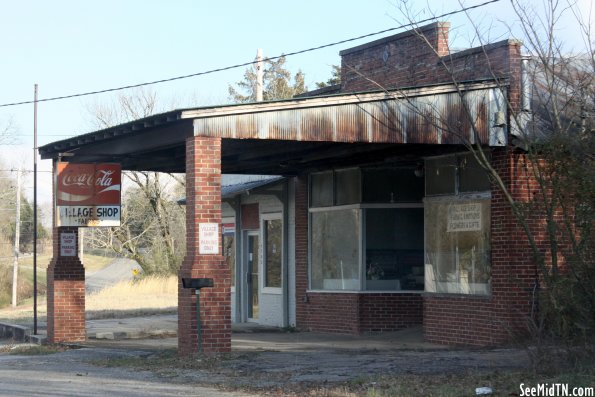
338,99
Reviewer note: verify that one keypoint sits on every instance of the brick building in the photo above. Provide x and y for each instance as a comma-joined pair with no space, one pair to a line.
382,220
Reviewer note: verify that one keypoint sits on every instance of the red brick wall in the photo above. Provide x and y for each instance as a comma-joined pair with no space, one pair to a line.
331,312
356,313
419,59
461,320
250,216
390,312
203,198
65,294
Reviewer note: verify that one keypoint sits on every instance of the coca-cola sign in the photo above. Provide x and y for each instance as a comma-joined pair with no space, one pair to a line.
88,184
88,194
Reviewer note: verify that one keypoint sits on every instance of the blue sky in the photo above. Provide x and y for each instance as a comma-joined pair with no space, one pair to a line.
71,46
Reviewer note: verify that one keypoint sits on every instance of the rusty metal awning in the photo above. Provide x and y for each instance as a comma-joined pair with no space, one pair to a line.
282,137
428,115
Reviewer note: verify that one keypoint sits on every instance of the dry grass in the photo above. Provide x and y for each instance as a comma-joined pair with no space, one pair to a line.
149,293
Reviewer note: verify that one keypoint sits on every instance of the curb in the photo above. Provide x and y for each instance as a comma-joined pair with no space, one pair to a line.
158,333
20,333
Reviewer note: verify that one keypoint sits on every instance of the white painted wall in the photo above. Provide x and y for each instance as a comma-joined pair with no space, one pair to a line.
271,300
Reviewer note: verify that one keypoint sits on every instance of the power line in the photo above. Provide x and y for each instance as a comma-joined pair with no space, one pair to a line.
251,62
23,171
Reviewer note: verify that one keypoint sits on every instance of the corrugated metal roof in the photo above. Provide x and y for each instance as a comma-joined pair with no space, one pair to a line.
429,115
230,191
239,188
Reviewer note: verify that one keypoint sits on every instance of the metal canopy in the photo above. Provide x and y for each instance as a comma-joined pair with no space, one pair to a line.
291,136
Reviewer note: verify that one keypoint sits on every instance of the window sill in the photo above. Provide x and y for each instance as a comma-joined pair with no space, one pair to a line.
371,292
456,295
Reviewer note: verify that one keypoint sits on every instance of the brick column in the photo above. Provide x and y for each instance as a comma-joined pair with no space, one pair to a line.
203,205
65,293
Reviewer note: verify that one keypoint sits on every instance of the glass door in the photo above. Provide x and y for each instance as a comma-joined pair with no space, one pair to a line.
252,275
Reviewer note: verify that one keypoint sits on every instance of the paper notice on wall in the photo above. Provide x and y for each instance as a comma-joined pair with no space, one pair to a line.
208,238
464,217
67,244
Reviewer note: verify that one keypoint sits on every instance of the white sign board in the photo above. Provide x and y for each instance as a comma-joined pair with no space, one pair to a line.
67,244
464,217
89,215
208,238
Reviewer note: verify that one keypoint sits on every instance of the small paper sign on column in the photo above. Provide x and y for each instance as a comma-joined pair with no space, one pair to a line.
67,244
208,238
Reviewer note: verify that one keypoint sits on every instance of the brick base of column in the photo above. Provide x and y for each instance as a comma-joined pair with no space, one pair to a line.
66,301
215,308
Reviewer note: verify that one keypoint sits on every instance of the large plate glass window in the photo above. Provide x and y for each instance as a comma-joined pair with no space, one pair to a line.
458,246
394,249
457,226
335,252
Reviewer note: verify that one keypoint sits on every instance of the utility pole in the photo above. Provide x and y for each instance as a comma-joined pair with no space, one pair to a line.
17,239
82,244
35,211
259,75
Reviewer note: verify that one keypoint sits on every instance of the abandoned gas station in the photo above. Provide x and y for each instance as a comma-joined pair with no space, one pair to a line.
378,219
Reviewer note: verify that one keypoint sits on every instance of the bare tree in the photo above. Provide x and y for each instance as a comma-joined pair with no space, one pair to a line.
7,131
152,229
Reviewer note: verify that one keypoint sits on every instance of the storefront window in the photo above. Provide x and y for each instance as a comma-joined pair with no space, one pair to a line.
458,246
321,193
394,249
348,186
335,252
392,185
378,209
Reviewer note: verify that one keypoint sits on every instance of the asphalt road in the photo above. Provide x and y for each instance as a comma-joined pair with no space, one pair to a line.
70,374
120,269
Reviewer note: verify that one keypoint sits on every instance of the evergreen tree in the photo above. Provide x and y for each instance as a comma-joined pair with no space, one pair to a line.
333,80
277,83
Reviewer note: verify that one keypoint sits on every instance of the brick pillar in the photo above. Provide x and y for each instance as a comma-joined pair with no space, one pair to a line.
65,292
203,205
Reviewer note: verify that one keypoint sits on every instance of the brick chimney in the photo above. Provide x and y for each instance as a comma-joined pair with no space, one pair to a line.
402,60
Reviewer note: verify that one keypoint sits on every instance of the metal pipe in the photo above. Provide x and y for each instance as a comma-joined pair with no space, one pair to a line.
198,322
525,85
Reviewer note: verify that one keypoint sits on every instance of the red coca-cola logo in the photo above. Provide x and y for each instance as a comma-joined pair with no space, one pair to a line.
88,184
101,178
